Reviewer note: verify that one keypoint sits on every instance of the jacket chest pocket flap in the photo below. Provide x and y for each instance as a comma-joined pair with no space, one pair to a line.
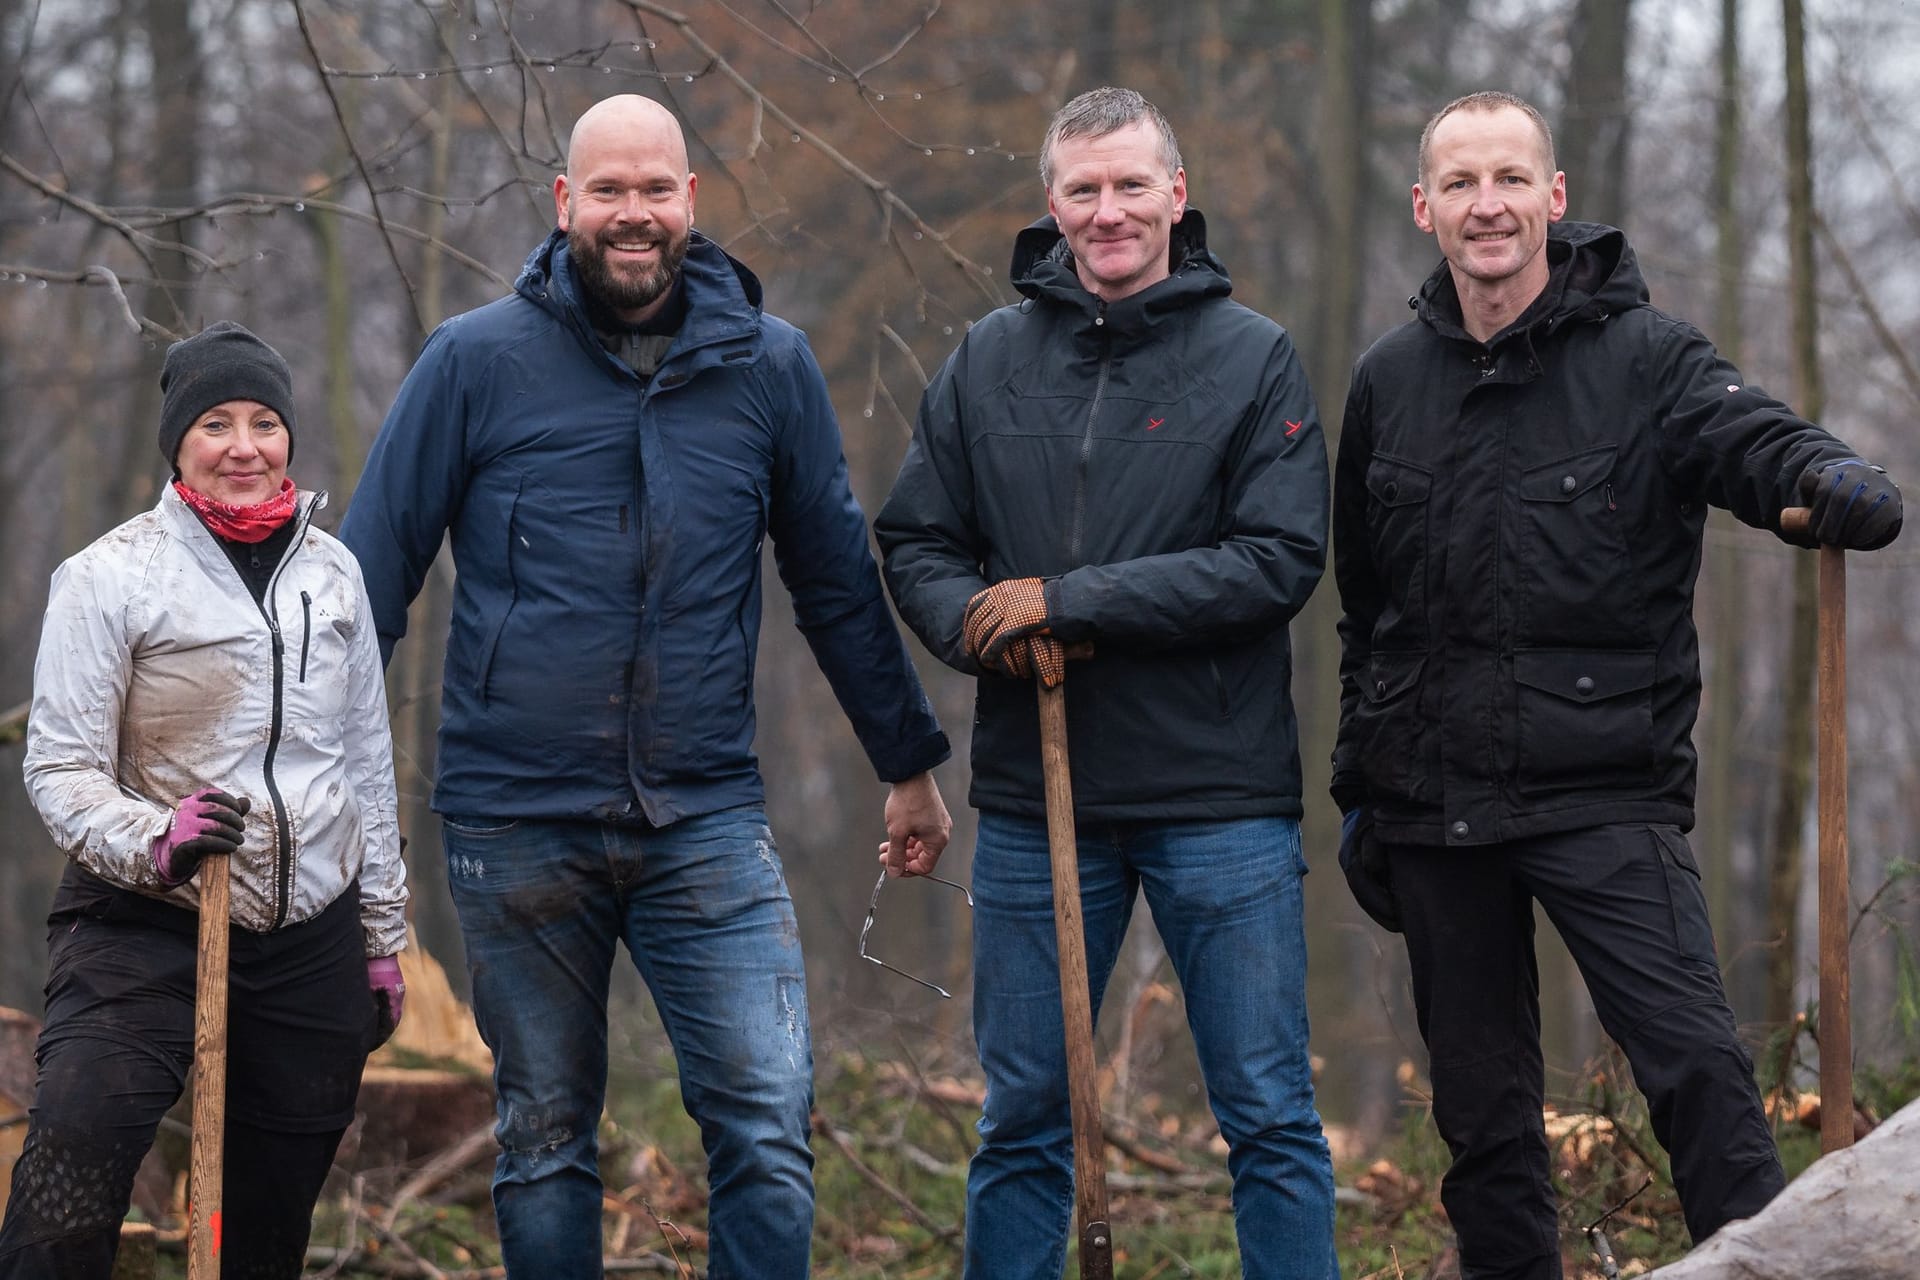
1565,479
1393,483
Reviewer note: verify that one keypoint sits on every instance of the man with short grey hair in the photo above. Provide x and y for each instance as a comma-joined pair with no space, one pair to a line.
1132,461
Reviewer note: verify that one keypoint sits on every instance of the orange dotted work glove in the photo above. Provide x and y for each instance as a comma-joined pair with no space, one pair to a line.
1005,628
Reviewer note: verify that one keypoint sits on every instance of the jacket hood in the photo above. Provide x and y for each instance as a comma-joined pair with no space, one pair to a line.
1592,273
723,294
1043,270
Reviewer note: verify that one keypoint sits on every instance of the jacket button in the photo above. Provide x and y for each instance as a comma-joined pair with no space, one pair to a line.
1583,686
1459,831
1379,688
1568,484
1391,489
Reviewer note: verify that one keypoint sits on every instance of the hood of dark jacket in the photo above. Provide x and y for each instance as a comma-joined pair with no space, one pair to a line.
1043,270
1591,274
728,293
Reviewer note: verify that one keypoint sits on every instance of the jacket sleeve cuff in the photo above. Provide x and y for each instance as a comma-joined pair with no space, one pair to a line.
913,758
1059,625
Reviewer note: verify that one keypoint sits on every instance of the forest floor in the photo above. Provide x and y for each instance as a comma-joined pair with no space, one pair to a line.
891,1142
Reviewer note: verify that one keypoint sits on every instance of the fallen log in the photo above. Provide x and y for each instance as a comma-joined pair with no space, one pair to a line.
1853,1215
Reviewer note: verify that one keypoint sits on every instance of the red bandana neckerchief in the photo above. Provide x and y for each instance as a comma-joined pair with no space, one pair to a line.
250,523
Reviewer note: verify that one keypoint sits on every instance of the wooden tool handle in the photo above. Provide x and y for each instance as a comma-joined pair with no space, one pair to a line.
209,1072
1835,906
1076,1007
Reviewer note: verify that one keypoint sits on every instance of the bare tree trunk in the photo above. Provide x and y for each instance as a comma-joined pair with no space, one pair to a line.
1593,136
1593,151
173,159
1725,577
1103,30
1787,854
1343,147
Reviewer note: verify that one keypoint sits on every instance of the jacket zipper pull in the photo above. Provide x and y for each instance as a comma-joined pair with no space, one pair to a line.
1611,505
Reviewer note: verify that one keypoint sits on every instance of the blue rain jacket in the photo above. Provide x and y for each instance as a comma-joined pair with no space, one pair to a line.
606,534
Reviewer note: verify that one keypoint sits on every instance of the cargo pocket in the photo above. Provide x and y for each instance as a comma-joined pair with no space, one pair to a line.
1686,900
1389,726
1586,719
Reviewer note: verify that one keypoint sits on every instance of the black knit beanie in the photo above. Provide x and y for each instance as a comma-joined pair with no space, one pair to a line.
220,363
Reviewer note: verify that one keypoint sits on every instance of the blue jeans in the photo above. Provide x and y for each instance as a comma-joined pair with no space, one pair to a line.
1225,897
703,908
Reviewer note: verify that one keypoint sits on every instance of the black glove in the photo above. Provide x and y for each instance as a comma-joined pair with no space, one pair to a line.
1853,503
208,821
1364,863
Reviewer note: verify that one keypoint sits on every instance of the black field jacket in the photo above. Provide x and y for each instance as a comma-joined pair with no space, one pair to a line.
1517,531
1160,461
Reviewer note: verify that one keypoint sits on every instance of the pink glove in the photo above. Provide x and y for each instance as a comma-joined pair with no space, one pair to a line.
208,821
389,995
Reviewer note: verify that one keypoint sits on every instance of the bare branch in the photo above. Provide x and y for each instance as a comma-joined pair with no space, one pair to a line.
901,44
254,202
104,277
1881,330
883,192
142,243
353,149
887,332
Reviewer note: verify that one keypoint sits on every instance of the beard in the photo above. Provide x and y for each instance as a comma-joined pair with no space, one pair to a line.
634,288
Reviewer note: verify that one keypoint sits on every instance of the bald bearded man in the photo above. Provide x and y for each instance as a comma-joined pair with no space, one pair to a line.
608,447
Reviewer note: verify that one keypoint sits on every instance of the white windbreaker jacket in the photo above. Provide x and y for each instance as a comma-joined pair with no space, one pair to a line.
158,674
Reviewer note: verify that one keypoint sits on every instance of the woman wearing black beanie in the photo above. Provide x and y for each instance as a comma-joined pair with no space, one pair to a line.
208,681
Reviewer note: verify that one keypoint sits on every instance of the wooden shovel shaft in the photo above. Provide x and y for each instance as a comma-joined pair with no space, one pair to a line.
209,1073
1076,1007
1836,986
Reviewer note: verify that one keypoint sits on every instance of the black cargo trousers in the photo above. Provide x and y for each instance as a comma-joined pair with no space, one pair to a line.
115,1053
1627,901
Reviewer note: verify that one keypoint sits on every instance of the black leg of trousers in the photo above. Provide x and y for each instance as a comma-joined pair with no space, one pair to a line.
1476,991
271,1185
1628,902
113,1056
115,1053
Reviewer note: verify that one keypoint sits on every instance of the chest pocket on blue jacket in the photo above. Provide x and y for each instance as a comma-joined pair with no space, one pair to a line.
1573,572
1397,503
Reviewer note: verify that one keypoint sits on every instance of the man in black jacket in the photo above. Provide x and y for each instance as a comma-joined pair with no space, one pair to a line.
1523,479
1128,459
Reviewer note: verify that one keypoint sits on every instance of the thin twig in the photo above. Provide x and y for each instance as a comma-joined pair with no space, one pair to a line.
824,1127
353,149
976,274
143,244
1881,329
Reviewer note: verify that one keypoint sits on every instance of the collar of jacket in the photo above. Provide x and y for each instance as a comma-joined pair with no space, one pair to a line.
189,528
1592,274
1043,270
723,303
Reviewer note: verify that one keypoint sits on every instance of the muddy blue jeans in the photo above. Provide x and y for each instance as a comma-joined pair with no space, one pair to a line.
703,909
1225,897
